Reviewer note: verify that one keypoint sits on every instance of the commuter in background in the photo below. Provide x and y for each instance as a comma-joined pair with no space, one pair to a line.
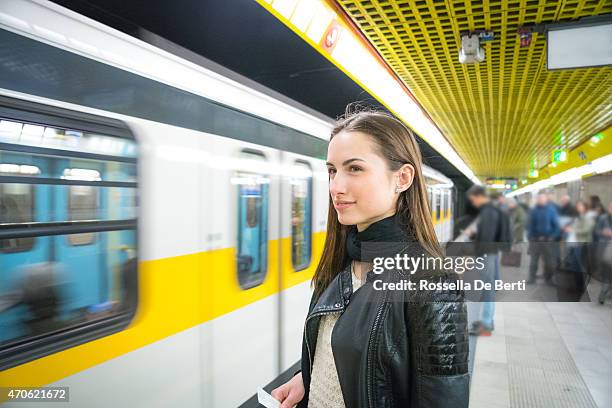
485,239
552,200
524,206
555,245
502,203
542,231
566,208
518,219
567,212
582,227
603,236
579,234
595,207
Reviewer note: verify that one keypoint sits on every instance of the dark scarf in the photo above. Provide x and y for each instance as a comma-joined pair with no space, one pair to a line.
384,238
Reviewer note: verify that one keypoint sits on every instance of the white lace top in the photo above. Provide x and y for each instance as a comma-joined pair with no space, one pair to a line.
325,391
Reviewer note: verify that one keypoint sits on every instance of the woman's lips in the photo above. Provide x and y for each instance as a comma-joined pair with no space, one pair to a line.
343,205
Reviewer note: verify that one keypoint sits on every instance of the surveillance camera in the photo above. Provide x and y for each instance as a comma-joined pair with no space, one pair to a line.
471,51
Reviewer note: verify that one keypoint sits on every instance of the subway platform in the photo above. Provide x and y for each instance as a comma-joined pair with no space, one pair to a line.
544,355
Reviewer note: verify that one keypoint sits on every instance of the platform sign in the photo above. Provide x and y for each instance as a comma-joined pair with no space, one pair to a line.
533,173
559,156
502,183
596,139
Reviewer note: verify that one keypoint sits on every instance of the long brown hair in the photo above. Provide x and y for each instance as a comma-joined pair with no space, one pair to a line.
397,145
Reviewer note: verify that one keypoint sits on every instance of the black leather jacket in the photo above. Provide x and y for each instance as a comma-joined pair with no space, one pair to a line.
393,348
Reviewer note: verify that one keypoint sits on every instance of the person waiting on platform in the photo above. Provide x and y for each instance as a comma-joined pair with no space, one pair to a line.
485,239
518,220
383,352
603,235
542,232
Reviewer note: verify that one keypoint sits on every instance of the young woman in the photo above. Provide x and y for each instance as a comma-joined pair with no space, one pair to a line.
362,346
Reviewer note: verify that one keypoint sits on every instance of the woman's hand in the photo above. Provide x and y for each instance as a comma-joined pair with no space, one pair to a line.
291,392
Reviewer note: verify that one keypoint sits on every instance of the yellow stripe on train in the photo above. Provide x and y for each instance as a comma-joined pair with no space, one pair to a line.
175,294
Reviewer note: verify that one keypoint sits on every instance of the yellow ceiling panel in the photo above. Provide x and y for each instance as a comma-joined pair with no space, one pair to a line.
502,113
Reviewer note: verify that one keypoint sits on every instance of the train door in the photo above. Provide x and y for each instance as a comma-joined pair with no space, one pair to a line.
245,286
297,260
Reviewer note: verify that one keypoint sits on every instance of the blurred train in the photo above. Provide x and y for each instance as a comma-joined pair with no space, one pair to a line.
159,221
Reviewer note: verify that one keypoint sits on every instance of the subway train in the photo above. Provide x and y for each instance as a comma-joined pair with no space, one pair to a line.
160,217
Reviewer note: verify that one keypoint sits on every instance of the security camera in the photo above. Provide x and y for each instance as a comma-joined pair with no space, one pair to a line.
471,51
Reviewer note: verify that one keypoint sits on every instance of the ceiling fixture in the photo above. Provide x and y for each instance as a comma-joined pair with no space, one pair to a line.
471,52
580,43
525,36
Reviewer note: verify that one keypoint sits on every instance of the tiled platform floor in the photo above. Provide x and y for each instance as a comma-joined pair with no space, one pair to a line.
545,355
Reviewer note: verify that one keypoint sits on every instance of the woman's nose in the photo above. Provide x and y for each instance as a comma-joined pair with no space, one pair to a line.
337,185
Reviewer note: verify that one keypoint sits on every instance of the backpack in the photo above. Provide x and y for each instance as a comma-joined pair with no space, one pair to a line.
504,231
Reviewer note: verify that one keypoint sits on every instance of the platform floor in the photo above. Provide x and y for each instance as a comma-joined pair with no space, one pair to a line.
544,355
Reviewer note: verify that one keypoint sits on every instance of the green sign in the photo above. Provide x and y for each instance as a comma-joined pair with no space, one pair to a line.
559,156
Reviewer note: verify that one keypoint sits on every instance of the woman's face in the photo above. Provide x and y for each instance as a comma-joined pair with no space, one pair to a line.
580,208
361,185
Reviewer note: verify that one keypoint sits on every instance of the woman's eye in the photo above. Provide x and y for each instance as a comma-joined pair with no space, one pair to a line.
354,169
331,171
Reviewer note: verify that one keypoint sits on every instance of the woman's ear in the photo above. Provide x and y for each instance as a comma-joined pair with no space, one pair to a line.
405,177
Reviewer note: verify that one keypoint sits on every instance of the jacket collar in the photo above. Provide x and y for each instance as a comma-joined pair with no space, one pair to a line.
335,297
337,294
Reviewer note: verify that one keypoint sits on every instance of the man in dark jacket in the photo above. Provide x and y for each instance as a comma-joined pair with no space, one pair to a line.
485,240
542,231
566,208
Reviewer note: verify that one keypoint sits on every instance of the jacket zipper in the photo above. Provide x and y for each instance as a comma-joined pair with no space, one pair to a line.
328,312
370,346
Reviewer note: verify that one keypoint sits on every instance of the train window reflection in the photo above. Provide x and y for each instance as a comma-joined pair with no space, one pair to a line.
16,205
82,205
65,139
301,216
252,248
82,202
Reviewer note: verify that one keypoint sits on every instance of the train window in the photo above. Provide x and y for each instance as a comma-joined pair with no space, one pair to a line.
10,131
16,205
68,206
301,216
447,203
82,202
82,205
252,248
442,205
438,198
